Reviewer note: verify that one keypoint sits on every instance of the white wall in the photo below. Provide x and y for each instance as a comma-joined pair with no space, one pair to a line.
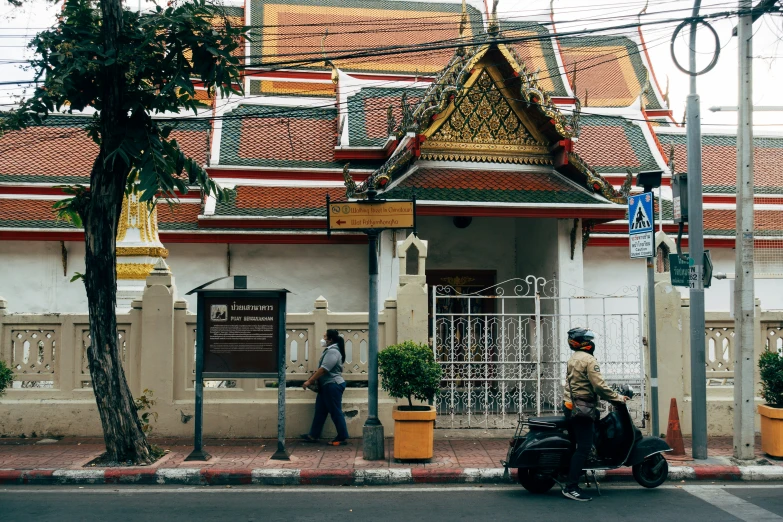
486,244
338,272
609,270
32,280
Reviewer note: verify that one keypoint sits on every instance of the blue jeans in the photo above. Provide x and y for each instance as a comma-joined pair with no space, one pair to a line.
329,402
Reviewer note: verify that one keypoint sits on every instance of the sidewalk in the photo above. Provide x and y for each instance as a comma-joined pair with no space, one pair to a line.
247,461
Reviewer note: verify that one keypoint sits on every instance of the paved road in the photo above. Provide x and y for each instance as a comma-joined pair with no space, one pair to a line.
687,502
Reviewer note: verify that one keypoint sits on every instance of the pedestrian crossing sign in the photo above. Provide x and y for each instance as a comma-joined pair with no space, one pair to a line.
641,225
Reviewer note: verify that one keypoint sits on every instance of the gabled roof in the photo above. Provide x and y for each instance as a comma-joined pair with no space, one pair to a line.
285,30
612,144
280,136
719,161
537,53
486,107
490,186
279,201
60,151
368,113
609,70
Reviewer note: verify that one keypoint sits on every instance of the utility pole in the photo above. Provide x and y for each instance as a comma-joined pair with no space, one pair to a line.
696,250
744,302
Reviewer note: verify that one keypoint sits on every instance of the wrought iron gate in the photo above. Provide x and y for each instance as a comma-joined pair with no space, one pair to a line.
503,349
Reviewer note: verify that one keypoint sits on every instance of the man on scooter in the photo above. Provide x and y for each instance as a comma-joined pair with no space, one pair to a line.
584,387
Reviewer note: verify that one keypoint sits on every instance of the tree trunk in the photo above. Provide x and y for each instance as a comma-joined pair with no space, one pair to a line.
122,430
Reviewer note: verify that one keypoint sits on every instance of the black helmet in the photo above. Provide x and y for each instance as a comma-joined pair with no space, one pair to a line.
581,338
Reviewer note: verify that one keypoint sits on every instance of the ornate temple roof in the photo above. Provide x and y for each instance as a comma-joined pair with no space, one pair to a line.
296,30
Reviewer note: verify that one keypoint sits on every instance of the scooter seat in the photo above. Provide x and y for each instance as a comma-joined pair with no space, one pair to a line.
550,421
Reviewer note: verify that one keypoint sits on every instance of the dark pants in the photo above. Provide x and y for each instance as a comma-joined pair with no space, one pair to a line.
329,402
582,431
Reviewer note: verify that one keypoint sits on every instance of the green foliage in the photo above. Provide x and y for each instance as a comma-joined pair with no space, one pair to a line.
6,377
771,367
162,56
144,406
409,370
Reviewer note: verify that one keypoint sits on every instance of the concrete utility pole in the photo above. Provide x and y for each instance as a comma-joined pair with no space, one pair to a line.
696,251
744,414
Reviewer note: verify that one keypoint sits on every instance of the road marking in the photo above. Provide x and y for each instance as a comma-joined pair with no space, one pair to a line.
120,488
733,505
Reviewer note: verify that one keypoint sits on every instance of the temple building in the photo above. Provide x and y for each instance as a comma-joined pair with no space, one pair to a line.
520,149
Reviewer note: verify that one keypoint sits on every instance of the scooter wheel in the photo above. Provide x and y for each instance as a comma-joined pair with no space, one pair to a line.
533,481
652,472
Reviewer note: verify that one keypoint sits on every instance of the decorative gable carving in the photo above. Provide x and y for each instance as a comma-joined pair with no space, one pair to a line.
483,115
482,124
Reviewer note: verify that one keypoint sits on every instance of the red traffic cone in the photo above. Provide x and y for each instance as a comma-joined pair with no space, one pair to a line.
673,431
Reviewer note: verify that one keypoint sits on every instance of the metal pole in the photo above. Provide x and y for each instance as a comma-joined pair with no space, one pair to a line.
653,340
198,452
744,415
652,336
373,429
696,250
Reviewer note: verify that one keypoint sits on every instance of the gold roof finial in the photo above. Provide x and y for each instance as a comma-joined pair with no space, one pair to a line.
463,22
327,61
493,28
666,94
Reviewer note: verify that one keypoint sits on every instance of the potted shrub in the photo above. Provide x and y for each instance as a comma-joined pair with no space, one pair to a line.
409,371
6,377
771,366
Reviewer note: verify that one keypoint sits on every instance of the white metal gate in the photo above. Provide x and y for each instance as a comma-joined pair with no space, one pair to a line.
504,349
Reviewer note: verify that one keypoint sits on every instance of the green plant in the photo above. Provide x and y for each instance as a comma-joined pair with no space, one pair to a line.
144,406
6,377
409,370
771,369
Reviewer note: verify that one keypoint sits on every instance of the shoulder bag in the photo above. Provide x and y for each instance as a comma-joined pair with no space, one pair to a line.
583,408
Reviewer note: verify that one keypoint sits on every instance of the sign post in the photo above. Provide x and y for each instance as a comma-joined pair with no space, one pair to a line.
641,230
371,216
240,334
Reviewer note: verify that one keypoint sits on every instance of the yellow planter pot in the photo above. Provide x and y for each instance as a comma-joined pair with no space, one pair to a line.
413,434
771,430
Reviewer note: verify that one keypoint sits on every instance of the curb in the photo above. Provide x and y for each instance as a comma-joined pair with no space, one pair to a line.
350,477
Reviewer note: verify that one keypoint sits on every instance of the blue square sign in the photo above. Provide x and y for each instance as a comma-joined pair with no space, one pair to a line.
641,225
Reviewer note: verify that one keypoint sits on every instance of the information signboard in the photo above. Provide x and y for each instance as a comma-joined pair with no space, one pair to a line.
641,235
241,334
367,215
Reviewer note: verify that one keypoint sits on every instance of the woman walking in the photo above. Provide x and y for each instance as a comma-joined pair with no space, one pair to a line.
331,386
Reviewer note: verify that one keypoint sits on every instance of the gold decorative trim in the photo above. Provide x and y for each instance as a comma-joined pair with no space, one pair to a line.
499,157
134,270
143,251
137,215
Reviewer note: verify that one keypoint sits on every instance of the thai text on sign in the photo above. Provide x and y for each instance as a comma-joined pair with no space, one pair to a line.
358,216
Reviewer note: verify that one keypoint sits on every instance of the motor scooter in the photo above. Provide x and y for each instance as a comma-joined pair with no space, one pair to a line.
542,456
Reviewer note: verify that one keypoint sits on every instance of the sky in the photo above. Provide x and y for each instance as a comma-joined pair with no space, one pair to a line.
718,87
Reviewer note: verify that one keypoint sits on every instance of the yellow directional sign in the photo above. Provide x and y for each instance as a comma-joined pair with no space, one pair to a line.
376,215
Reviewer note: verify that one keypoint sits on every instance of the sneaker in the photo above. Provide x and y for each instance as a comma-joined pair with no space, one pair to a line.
576,493
307,438
336,442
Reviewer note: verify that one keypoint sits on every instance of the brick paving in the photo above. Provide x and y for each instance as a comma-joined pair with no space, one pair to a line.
76,453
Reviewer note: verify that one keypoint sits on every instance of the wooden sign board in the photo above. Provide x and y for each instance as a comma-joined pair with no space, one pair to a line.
371,215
